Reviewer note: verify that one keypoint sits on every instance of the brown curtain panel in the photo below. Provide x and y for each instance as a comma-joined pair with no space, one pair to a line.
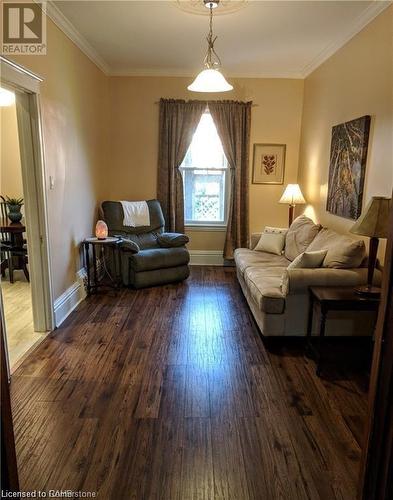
233,122
178,122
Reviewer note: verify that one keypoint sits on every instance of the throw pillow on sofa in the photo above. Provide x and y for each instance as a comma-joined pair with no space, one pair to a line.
270,229
299,236
272,240
343,252
308,260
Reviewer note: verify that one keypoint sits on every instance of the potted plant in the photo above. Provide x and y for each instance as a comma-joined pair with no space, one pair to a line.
14,206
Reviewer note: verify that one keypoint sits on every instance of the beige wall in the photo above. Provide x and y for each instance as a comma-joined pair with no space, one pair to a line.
101,134
355,81
10,167
132,173
73,99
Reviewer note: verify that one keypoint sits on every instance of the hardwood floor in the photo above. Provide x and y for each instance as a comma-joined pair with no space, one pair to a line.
170,393
18,313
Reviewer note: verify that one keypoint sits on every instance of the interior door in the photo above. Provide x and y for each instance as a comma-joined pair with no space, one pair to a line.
9,469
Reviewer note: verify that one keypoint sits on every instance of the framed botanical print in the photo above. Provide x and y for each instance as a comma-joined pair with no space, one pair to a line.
268,164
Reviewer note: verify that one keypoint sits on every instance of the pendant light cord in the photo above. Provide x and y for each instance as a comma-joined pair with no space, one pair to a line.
211,53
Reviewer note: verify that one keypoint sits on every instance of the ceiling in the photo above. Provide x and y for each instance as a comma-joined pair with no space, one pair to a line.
261,39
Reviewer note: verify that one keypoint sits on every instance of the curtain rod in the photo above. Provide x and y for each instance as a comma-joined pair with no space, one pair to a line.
207,102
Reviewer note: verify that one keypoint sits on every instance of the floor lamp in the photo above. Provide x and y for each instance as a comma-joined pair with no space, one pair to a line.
292,196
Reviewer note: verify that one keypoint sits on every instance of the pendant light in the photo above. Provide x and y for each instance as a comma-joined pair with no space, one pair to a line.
210,79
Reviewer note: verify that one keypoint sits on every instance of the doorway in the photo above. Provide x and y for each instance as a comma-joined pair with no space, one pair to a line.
25,263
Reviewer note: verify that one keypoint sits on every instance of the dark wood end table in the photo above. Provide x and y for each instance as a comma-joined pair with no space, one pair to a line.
333,299
94,283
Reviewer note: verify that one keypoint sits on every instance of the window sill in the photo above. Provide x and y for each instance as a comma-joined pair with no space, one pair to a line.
197,227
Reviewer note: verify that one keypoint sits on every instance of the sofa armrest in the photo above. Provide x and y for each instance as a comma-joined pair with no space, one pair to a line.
129,246
172,240
299,280
255,237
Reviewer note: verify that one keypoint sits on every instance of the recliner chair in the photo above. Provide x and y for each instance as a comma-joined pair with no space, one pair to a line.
149,256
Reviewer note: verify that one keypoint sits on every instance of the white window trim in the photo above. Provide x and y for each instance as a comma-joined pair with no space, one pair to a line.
218,228
212,225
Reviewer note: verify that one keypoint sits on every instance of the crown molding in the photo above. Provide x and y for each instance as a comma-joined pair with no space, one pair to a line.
182,74
55,14
359,23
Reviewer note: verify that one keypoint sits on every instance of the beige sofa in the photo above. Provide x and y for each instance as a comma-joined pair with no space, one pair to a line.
278,297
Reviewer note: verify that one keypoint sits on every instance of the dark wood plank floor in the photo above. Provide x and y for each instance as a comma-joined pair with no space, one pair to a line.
170,393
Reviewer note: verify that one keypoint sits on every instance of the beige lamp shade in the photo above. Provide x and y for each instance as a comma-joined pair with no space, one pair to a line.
292,195
375,218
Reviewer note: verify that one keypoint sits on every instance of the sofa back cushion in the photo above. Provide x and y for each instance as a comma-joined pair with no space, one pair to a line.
113,216
299,236
343,252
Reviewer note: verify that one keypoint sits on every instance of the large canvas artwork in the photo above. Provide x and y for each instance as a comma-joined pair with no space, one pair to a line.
348,155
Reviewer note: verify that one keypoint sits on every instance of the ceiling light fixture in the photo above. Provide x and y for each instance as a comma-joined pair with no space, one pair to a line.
7,98
210,79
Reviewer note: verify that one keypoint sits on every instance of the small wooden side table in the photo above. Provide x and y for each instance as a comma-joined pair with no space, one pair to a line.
94,283
333,299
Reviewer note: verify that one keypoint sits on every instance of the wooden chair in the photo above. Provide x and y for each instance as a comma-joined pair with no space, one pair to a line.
9,251
5,240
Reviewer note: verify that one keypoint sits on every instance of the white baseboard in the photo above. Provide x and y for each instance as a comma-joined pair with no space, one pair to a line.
206,258
68,301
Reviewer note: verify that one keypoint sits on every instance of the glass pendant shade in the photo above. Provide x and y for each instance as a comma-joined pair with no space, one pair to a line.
101,230
210,80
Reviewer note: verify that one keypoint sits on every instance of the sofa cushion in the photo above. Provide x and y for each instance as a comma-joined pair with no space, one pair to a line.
299,236
245,258
298,281
172,240
159,258
265,288
343,252
308,260
113,215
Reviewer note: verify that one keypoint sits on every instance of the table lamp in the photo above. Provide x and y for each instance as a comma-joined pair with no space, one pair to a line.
373,223
101,230
292,196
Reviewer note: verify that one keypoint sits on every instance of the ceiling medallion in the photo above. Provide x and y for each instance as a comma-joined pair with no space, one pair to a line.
198,7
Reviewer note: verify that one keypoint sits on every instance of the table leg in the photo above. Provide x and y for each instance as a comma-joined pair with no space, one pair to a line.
115,267
119,265
308,349
321,340
88,268
11,266
95,273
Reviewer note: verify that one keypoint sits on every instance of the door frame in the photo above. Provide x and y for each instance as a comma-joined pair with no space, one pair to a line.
376,469
26,86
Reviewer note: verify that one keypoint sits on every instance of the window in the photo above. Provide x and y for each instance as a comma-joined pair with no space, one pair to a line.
205,177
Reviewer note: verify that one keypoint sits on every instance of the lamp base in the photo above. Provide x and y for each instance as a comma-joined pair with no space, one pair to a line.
368,291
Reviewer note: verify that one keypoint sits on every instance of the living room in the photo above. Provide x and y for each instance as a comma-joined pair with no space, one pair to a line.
196,359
